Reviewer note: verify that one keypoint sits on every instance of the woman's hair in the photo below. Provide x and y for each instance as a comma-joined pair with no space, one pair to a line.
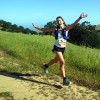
62,20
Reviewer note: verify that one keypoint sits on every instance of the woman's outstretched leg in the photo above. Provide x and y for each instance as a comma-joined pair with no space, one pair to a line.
55,60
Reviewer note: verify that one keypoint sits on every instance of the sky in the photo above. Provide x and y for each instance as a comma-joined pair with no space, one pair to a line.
39,12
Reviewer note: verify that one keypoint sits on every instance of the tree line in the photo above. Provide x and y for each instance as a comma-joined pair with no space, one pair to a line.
7,26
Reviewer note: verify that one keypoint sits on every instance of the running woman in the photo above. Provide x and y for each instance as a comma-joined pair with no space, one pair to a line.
61,34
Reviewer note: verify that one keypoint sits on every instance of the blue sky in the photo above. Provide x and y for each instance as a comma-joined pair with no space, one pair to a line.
39,12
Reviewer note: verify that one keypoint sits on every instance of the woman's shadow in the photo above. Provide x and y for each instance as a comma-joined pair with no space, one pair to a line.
20,76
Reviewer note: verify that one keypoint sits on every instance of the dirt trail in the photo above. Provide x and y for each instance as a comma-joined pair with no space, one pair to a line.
40,87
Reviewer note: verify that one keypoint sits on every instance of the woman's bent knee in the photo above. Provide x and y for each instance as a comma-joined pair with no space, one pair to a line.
62,62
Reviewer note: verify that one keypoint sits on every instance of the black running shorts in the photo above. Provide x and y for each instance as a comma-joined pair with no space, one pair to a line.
58,49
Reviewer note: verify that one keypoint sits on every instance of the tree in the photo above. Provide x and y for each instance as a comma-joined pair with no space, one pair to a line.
1,22
26,31
33,32
6,26
14,28
84,34
49,25
21,28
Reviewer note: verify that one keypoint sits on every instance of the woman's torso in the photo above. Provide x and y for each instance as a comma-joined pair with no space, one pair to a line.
60,41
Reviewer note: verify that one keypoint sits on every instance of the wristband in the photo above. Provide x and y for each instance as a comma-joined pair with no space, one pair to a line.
80,17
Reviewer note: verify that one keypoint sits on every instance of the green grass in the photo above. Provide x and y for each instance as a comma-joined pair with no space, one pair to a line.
82,64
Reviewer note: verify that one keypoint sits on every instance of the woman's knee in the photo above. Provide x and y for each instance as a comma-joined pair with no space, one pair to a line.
62,61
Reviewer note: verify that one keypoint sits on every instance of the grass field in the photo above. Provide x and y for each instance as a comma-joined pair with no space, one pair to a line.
32,51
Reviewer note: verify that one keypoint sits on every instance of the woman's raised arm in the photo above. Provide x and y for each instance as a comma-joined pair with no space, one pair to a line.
83,15
42,29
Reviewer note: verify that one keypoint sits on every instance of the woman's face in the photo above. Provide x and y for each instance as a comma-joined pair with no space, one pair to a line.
60,21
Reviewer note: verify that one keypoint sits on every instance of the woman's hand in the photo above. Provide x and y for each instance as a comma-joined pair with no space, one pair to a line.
83,15
33,25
